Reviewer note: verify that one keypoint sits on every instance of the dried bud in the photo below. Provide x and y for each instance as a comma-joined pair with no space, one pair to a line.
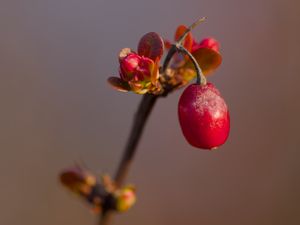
84,184
78,180
125,198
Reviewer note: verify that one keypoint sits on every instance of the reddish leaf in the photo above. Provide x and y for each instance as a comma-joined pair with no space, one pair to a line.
208,59
188,41
118,84
168,44
151,45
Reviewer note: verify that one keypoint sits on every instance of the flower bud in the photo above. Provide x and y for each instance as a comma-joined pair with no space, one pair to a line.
129,65
125,198
210,43
77,180
84,184
140,72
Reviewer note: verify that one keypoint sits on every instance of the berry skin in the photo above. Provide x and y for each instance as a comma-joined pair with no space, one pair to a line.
203,116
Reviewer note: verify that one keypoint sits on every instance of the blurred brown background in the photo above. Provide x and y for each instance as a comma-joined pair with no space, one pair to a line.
57,109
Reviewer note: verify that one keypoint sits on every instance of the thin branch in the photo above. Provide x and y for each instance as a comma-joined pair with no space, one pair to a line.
140,120
174,47
189,29
146,105
106,217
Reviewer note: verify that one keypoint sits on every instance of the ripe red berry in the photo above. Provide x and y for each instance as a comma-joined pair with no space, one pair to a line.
203,116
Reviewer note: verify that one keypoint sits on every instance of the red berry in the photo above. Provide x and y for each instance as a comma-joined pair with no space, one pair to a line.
203,116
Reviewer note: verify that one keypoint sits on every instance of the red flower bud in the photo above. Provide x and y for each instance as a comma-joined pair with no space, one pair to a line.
210,43
125,198
140,72
128,65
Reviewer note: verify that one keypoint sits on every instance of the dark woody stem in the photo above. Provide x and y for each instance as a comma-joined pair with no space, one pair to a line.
169,56
145,107
141,116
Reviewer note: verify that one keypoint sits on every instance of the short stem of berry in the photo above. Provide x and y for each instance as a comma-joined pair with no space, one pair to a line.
200,76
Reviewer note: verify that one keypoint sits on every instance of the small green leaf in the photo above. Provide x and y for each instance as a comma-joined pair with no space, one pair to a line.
118,84
151,45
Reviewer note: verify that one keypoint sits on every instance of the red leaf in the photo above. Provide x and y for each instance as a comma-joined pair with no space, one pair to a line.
208,59
151,45
168,44
188,41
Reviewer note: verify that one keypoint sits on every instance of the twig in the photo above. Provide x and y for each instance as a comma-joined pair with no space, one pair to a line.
189,29
142,114
146,105
140,120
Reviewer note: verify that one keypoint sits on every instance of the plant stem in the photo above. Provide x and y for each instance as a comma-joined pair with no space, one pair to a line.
141,116
146,105
189,29
140,120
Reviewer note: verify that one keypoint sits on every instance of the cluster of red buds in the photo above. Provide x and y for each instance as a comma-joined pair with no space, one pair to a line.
141,72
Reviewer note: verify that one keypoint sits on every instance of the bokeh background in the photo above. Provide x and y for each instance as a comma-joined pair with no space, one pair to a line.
57,109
